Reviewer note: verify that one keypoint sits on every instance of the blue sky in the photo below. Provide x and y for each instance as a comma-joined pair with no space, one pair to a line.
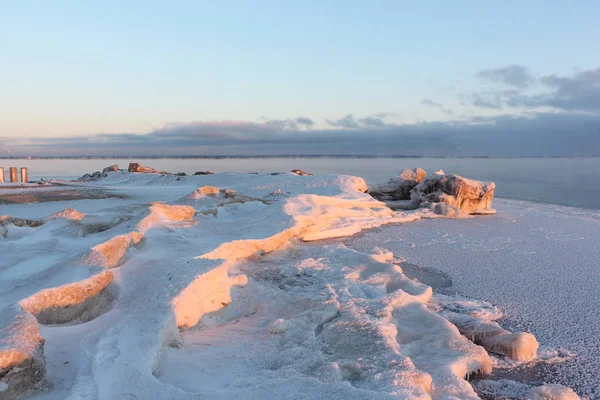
83,68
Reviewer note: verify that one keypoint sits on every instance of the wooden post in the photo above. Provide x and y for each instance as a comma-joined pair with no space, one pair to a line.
1,174
14,177
24,176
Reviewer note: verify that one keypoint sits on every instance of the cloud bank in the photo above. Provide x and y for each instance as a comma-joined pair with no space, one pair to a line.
555,116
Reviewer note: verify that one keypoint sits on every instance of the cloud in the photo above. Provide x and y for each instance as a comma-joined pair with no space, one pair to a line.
577,93
347,122
534,134
514,75
304,121
431,103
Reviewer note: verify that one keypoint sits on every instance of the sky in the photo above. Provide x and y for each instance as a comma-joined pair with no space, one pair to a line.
463,78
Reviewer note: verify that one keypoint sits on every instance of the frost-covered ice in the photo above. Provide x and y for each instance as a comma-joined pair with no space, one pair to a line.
537,263
216,287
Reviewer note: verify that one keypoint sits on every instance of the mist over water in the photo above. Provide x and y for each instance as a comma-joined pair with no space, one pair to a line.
566,181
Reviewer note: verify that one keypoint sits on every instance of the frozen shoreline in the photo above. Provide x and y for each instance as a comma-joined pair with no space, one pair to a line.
536,262
181,268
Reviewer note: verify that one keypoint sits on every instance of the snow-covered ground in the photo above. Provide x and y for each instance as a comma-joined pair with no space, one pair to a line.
219,286
538,263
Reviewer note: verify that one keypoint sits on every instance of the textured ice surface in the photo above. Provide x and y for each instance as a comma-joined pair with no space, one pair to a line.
216,295
538,263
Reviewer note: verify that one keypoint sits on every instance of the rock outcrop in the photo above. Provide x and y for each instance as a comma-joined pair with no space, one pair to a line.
204,173
22,361
136,167
93,177
473,197
111,168
301,173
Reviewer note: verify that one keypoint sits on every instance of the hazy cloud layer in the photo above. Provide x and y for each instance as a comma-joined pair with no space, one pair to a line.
537,134
512,75
549,116
431,103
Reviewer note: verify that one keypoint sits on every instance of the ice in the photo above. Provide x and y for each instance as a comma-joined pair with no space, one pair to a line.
22,360
553,392
75,302
508,389
520,346
536,263
220,286
468,195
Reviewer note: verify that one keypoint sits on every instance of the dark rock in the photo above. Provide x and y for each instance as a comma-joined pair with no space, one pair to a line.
204,173
136,167
111,168
301,173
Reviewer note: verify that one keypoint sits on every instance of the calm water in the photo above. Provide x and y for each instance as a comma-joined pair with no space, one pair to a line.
566,181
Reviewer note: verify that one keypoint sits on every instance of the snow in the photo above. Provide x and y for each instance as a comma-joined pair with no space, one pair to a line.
536,263
220,286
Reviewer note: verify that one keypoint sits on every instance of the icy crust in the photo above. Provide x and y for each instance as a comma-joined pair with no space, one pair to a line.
336,316
359,319
507,389
22,360
74,302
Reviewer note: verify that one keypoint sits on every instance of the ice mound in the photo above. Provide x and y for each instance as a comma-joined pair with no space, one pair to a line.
552,392
204,191
110,253
213,197
22,360
323,217
471,196
416,174
462,305
161,213
446,210
398,188
519,346
69,214
207,293
75,302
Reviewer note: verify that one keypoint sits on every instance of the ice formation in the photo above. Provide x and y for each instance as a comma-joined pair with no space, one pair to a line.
221,260
398,188
448,195
520,346
471,196
552,392
22,360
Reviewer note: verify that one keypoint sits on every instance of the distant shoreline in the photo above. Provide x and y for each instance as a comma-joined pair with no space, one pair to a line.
301,156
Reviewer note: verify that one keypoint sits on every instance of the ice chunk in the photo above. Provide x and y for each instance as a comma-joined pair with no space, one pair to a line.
519,346
22,360
446,210
552,392
398,188
465,194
